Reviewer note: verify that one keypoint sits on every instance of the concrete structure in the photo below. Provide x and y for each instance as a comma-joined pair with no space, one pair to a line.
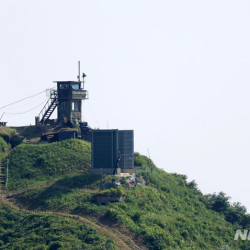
104,200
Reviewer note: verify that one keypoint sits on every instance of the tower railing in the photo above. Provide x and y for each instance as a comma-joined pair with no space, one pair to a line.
80,93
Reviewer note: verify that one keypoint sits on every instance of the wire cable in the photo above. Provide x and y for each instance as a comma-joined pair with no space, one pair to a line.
24,105
22,99
26,110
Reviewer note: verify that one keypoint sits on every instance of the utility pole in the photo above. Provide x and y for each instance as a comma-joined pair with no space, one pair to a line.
79,79
7,173
136,176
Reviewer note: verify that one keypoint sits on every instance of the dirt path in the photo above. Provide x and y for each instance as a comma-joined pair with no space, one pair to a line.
9,194
121,243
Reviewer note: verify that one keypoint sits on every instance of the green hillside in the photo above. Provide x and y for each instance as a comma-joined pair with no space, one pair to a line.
166,212
163,211
33,164
19,231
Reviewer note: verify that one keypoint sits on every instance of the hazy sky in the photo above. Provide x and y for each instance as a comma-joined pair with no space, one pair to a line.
177,72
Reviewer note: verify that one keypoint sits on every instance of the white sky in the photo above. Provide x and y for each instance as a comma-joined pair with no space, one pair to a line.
177,72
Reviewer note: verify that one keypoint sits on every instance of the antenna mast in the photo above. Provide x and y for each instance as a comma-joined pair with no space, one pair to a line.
79,79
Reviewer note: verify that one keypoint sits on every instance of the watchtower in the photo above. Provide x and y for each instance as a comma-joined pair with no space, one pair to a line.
69,101
67,98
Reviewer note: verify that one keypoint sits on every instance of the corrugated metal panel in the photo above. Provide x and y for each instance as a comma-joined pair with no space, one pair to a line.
112,149
104,148
126,149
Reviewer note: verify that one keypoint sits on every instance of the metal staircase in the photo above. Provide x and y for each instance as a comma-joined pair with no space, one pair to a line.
49,107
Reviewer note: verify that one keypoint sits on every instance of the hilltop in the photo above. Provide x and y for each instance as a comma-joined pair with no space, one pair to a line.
163,211
33,164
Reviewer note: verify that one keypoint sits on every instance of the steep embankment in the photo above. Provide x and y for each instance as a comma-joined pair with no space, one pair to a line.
33,164
163,212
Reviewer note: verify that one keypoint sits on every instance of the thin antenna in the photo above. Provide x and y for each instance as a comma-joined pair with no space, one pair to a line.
151,165
79,79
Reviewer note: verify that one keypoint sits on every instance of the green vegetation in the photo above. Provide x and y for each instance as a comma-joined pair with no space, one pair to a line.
33,164
166,212
3,145
112,192
15,135
235,214
7,132
163,211
5,137
18,231
30,132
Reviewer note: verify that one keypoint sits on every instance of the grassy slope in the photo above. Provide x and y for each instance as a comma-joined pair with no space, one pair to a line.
166,212
18,231
31,164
